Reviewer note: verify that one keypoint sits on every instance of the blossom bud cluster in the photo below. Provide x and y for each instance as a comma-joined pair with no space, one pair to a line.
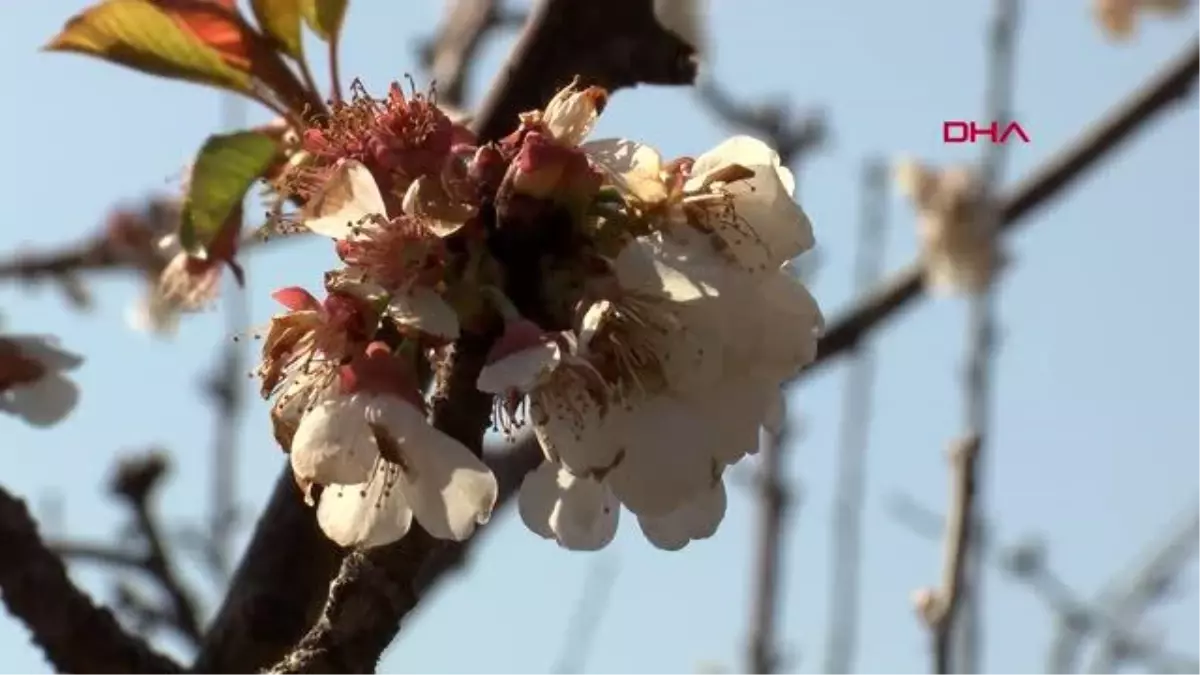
642,312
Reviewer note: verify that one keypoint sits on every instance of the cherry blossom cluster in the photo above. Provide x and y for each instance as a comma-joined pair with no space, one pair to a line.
642,315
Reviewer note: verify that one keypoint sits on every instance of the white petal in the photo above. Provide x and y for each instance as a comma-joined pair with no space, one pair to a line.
521,371
348,197
791,324
633,168
365,515
668,455
538,497
572,427
743,150
423,309
733,411
698,519
641,266
449,489
334,443
771,228
585,515
42,403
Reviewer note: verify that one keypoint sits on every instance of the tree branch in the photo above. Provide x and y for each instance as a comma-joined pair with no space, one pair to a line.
613,44
75,635
449,54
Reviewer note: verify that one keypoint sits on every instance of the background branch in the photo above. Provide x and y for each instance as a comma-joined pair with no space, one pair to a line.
75,635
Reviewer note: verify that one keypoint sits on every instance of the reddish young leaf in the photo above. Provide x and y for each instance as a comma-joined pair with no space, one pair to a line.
218,26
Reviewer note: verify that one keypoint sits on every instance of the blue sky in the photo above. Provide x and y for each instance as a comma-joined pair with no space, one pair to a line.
1096,394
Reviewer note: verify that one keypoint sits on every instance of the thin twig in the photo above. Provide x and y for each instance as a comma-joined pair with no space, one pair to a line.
981,345
450,53
75,635
1026,562
794,136
135,482
846,528
589,612
763,653
937,608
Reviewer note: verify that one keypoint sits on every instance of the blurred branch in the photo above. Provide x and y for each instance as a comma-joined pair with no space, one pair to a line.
846,529
1026,562
966,627
1171,85
938,606
589,612
450,53
773,496
75,635
794,136
135,483
614,44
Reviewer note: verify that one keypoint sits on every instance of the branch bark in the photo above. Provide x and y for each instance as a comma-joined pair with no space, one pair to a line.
75,635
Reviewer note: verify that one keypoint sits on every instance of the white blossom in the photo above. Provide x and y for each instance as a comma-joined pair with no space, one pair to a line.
387,465
351,209
681,362
32,381
185,285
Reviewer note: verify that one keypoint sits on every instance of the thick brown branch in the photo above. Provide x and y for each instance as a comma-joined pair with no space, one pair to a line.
277,590
75,635
612,44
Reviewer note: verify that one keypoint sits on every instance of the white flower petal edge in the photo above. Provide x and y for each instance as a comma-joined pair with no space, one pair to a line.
633,168
763,203
349,196
580,514
521,371
698,519
449,489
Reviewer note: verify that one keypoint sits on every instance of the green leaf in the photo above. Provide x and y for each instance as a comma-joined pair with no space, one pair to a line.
228,164
280,20
136,34
324,17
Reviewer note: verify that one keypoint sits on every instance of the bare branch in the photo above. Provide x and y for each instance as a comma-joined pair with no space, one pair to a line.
613,44
75,635
937,607
135,483
793,136
1171,85
449,55
589,612
846,530
763,653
